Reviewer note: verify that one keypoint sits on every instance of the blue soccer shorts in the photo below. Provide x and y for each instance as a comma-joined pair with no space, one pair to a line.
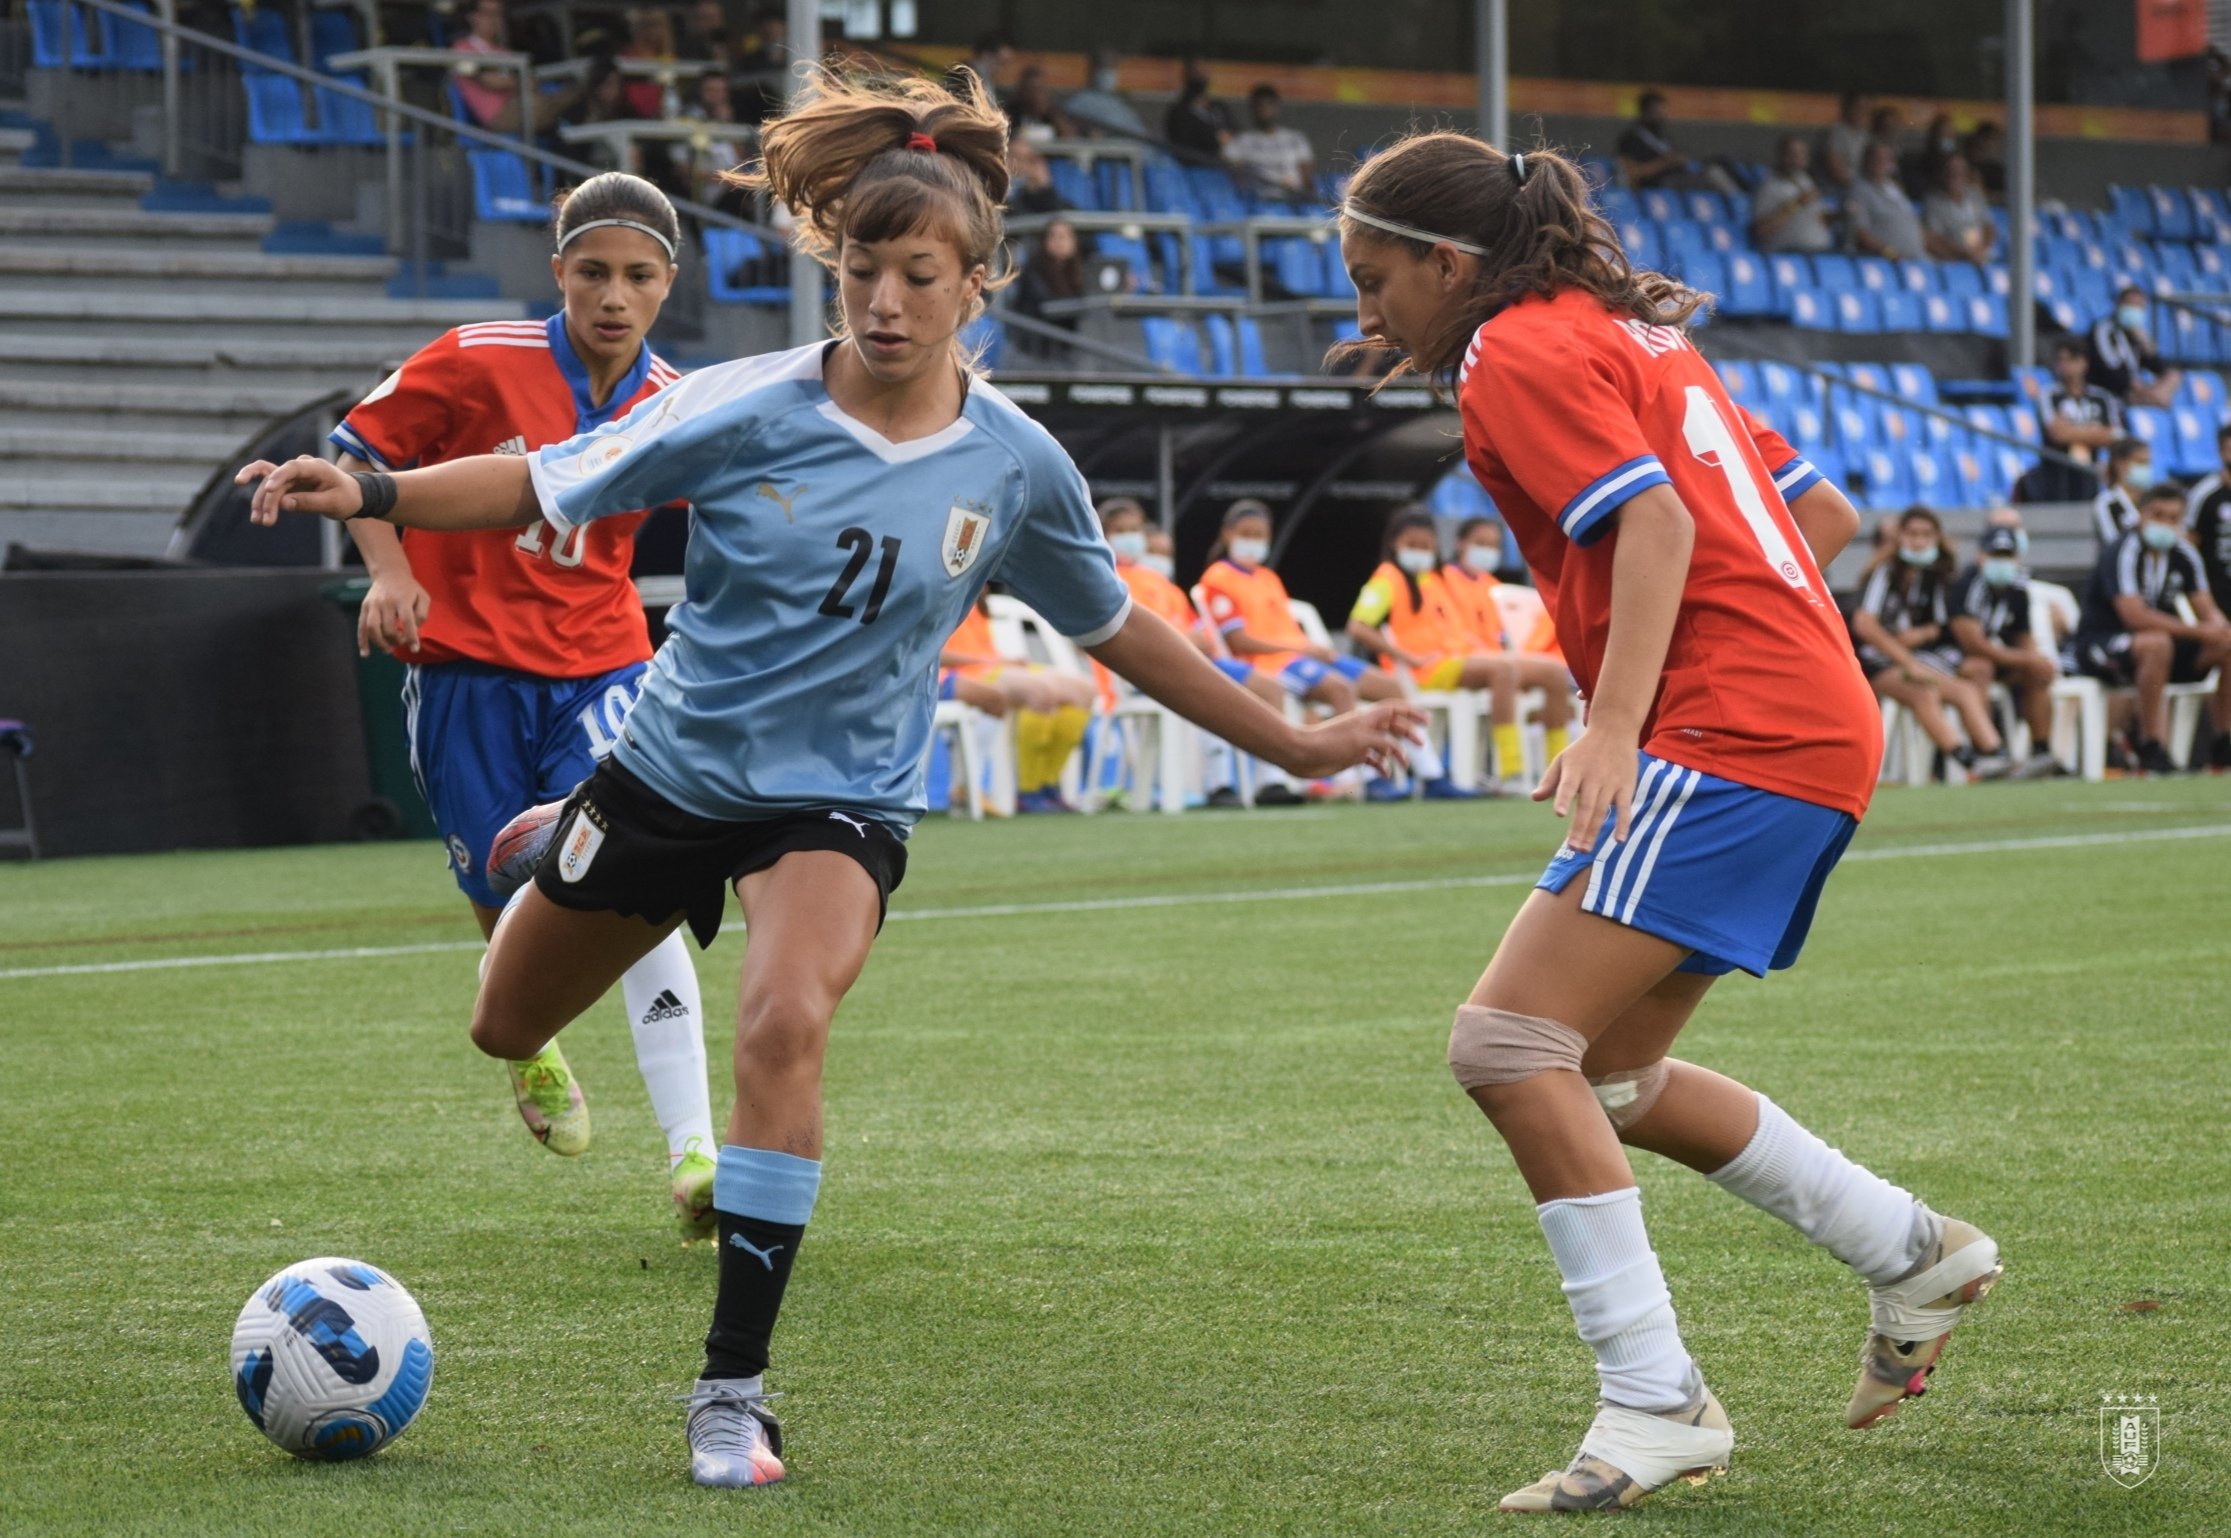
1305,673
1234,669
487,743
1731,871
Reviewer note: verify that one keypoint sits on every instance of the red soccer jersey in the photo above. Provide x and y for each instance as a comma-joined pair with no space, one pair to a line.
1569,410
525,599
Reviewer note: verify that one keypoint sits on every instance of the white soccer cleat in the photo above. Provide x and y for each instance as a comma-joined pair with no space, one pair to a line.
1913,1318
1629,1453
734,1441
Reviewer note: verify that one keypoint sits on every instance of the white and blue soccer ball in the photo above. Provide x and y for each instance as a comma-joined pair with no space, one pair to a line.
331,1359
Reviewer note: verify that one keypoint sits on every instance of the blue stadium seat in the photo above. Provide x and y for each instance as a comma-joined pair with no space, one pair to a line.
1725,239
1959,279
1971,476
1899,310
1827,460
1857,311
1878,275
2151,426
1223,348
1252,364
1073,182
503,193
1132,252
1943,314
263,31
1998,279
275,113
2211,214
1167,191
1639,239
2204,392
1809,308
344,119
1792,276
732,260
1836,273
1205,258
1853,420
1749,290
2131,209
2192,337
128,45
1456,496
332,31
60,37
1889,480
1740,380
1914,382
1706,208
1919,277
2094,294
1986,315
2172,213
1871,376
1705,272
1681,241
2193,443
1337,282
1934,479
1785,387
984,336
1660,204
1172,343
1618,206
1295,265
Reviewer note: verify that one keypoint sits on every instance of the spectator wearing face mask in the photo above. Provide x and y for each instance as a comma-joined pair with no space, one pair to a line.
1990,612
1102,108
1196,124
1148,576
2134,633
2208,518
2122,358
1903,628
2081,420
2129,475
1788,212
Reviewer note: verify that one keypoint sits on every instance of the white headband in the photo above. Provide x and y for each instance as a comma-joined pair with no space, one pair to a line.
618,224
1350,211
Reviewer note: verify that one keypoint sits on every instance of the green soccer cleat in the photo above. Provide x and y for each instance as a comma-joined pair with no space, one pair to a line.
693,1193
550,1102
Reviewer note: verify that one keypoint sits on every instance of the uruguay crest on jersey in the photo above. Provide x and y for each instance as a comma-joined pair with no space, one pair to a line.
964,538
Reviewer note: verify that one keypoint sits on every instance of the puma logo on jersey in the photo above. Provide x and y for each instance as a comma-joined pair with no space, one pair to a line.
516,444
767,490
854,823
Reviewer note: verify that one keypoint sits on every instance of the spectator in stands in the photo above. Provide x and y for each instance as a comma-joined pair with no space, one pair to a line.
705,34
1056,270
491,96
1956,221
761,56
2208,518
1787,211
727,147
1031,112
601,101
1903,626
650,39
1132,538
2078,418
1100,108
1843,143
1250,608
991,59
1648,156
1268,153
2123,360
1886,126
1986,152
1196,124
1052,707
1883,222
2129,476
1991,626
2134,634
1030,189
1407,616
1921,170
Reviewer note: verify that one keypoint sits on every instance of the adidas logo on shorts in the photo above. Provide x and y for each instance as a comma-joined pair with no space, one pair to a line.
665,1007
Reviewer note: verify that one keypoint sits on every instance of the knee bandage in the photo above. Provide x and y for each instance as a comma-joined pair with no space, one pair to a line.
1495,1046
1628,1094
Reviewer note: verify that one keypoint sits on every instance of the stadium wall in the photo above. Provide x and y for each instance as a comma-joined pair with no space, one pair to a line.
183,709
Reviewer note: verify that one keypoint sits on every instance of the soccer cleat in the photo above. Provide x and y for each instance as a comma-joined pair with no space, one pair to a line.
1990,766
1225,798
2153,758
1446,789
693,1193
1380,788
1277,793
1629,1453
550,1102
2040,765
1914,1317
734,1442
2219,751
519,847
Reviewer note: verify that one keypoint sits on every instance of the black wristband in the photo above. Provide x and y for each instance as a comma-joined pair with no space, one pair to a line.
377,488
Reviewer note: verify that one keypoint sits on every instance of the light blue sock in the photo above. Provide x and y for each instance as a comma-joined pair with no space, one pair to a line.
760,1183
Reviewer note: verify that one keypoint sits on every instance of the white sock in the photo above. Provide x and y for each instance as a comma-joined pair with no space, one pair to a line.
667,1016
1878,1229
1619,1299
1219,764
1425,760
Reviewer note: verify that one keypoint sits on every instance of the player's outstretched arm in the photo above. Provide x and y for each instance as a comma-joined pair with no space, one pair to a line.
1169,668
487,491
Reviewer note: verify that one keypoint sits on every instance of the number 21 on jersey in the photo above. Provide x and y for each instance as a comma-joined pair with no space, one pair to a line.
1713,444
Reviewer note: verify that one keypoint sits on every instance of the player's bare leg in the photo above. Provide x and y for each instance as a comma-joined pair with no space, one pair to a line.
1557,981
1922,1269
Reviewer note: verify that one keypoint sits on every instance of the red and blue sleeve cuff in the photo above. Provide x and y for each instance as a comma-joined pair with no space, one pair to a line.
1796,478
1589,513
349,441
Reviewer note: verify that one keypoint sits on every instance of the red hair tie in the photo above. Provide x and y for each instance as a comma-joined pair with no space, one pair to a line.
921,141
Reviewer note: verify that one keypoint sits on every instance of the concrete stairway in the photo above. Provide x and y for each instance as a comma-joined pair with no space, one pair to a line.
140,349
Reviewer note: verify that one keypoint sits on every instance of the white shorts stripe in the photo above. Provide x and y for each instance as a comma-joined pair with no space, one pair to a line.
1638,829
1604,851
1657,842
410,724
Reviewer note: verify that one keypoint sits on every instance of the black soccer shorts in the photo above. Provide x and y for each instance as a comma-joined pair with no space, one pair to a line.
623,848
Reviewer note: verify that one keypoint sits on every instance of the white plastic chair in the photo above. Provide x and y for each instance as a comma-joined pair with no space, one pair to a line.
2079,703
1164,741
2185,701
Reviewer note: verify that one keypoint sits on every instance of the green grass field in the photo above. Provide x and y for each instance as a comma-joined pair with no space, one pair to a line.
1150,1206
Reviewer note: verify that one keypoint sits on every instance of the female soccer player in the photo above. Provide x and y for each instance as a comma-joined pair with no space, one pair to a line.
526,647
1903,627
1407,615
851,499
1731,748
1248,604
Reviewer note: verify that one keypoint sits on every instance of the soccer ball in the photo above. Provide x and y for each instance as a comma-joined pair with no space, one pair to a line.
331,1359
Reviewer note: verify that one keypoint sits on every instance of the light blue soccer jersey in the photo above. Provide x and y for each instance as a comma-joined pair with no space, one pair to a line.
827,566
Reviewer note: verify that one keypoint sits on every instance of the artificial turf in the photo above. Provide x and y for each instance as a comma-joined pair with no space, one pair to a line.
1144,1212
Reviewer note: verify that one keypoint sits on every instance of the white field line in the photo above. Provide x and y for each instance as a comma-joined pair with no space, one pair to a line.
1168,900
